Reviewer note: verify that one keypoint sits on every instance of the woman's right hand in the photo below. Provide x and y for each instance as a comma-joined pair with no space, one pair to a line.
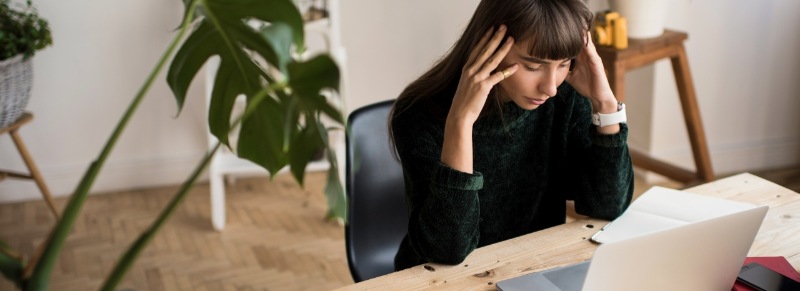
477,77
476,81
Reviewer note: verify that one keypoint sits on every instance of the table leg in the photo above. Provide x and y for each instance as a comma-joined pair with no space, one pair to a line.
691,114
35,174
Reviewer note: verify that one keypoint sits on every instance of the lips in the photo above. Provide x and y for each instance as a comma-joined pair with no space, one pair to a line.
535,101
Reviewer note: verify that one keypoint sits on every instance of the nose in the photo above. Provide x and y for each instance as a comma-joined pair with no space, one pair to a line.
549,84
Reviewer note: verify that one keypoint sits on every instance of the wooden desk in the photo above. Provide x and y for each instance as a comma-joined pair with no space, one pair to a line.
567,244
645,52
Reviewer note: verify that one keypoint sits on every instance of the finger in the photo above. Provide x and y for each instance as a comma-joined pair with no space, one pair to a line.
492,63
490,47
477,49
590,52
588,37
503,74
589,42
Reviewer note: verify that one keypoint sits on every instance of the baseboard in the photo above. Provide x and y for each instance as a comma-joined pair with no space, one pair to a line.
734,157
115,176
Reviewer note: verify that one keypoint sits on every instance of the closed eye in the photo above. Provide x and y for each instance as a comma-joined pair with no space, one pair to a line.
533,69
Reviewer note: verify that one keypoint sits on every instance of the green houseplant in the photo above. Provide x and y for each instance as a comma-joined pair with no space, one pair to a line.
22,33
280,126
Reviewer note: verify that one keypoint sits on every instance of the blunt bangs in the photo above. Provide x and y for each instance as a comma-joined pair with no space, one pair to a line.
555,31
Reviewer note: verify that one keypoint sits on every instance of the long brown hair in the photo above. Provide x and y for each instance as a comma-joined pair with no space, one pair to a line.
553,29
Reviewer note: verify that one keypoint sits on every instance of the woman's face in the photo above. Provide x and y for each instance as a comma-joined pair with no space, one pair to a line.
536,79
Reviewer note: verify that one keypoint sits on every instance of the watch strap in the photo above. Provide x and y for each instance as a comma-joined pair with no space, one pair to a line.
601,119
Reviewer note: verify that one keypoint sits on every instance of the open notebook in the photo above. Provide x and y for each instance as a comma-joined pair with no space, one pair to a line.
662,208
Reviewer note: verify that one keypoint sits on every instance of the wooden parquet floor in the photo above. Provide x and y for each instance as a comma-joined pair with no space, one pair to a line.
275,238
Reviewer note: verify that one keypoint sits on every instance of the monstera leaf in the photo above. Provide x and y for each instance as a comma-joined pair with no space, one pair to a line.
283,129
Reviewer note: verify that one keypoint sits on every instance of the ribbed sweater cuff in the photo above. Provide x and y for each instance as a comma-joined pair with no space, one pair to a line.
451,178
610,140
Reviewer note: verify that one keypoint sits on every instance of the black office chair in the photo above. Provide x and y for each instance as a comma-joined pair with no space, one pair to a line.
377,216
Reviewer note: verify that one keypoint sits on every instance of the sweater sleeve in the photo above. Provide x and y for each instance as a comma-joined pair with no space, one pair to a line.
604,187
444,213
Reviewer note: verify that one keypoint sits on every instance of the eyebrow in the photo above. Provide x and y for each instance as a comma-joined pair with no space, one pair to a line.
537,60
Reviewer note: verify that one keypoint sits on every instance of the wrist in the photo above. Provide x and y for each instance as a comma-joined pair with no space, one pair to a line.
607,106
457,145
458,122
607,119
457,127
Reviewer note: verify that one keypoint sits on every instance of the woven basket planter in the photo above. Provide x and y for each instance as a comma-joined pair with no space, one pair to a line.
16,76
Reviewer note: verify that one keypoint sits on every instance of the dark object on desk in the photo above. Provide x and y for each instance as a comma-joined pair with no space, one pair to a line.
777,264
377,219
762,278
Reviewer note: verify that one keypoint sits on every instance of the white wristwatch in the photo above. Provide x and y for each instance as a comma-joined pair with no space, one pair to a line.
601,120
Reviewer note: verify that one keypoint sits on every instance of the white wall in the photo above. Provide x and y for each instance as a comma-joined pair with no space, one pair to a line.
102,53
390,43
745,66
745,63
742,55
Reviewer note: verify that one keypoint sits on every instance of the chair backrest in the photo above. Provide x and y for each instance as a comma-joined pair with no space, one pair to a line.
377,216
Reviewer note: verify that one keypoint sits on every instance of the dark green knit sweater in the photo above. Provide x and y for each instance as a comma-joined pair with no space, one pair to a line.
526,164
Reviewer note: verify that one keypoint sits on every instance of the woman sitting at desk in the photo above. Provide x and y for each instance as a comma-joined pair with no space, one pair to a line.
493,141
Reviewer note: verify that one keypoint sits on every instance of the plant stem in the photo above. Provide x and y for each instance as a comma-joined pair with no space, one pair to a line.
127,260
138,246
39,278
37,255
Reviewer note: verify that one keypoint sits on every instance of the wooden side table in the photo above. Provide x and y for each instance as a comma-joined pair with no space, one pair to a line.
647,51
23,151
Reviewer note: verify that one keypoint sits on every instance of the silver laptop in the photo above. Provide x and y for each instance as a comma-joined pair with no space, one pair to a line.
702,256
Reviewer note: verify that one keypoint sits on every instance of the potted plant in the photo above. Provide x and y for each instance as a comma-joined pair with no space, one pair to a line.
22,33
280,126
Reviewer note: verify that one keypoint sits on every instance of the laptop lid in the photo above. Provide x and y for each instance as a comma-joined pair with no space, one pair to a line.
703,256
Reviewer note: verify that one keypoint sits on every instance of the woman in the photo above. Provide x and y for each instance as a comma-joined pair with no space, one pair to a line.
498,135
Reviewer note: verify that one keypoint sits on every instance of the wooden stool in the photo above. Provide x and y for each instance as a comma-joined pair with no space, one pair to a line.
647,51
23,151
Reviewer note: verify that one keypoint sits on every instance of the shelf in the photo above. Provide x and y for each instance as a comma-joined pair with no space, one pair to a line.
236,166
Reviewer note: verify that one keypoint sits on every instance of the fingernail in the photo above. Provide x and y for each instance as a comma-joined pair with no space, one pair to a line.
502,27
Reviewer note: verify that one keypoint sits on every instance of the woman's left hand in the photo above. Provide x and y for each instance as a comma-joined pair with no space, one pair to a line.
589,78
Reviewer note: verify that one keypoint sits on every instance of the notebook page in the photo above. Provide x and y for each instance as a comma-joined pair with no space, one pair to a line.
662,208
